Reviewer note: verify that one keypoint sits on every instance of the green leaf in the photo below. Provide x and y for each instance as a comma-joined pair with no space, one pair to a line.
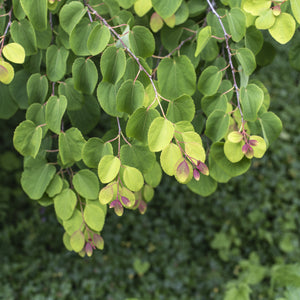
283,29
156,22
247,60
107,97
88,116
7,72
18,10
113,64
74,223
108,168
86,184
138,157
220,168
216,102
204,187
77,240
233,151
271,127
210,81
217,125
237,23
193,146
93,150
36,177
36,114
256,8
98,39
160,134
94,217
266,20
22,32
74,97
27,138
55,109
153,176
56,62
17,89
141,7
70,15
108,193
85,75
254,39
176,77
141,41
43,38
260,148
295,5
133,178
169,157
79,37
55,186
37,88
252,98
36,10
182,14
202,38
130,96
14,52
8,106
70,146
166,8
132,69
65,203
181,109
139,123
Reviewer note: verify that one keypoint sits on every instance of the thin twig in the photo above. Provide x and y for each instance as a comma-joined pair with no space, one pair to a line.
227,37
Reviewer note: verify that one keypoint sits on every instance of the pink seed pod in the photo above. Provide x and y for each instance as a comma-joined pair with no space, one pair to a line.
88,249
196,174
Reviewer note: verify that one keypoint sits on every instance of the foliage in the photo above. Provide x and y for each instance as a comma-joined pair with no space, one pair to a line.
257,215
170,85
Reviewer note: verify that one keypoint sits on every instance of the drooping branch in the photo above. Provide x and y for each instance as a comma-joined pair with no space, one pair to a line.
141,68
233,71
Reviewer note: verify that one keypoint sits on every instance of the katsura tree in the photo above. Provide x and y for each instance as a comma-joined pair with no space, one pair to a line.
118,92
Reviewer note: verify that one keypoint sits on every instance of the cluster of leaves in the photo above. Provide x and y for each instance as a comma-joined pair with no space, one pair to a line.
168,83
245,231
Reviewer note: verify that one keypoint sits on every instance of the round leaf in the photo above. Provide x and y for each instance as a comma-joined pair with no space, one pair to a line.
176,77
108,168
98,39
133,178
14,52
65,203
160,134
169,157
217,125
94,217
27,138
130,96
210,80
86,184
85,75
7,72
283,29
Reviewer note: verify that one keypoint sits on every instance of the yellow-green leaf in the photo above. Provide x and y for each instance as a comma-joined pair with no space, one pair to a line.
283,29
6,72
14,52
